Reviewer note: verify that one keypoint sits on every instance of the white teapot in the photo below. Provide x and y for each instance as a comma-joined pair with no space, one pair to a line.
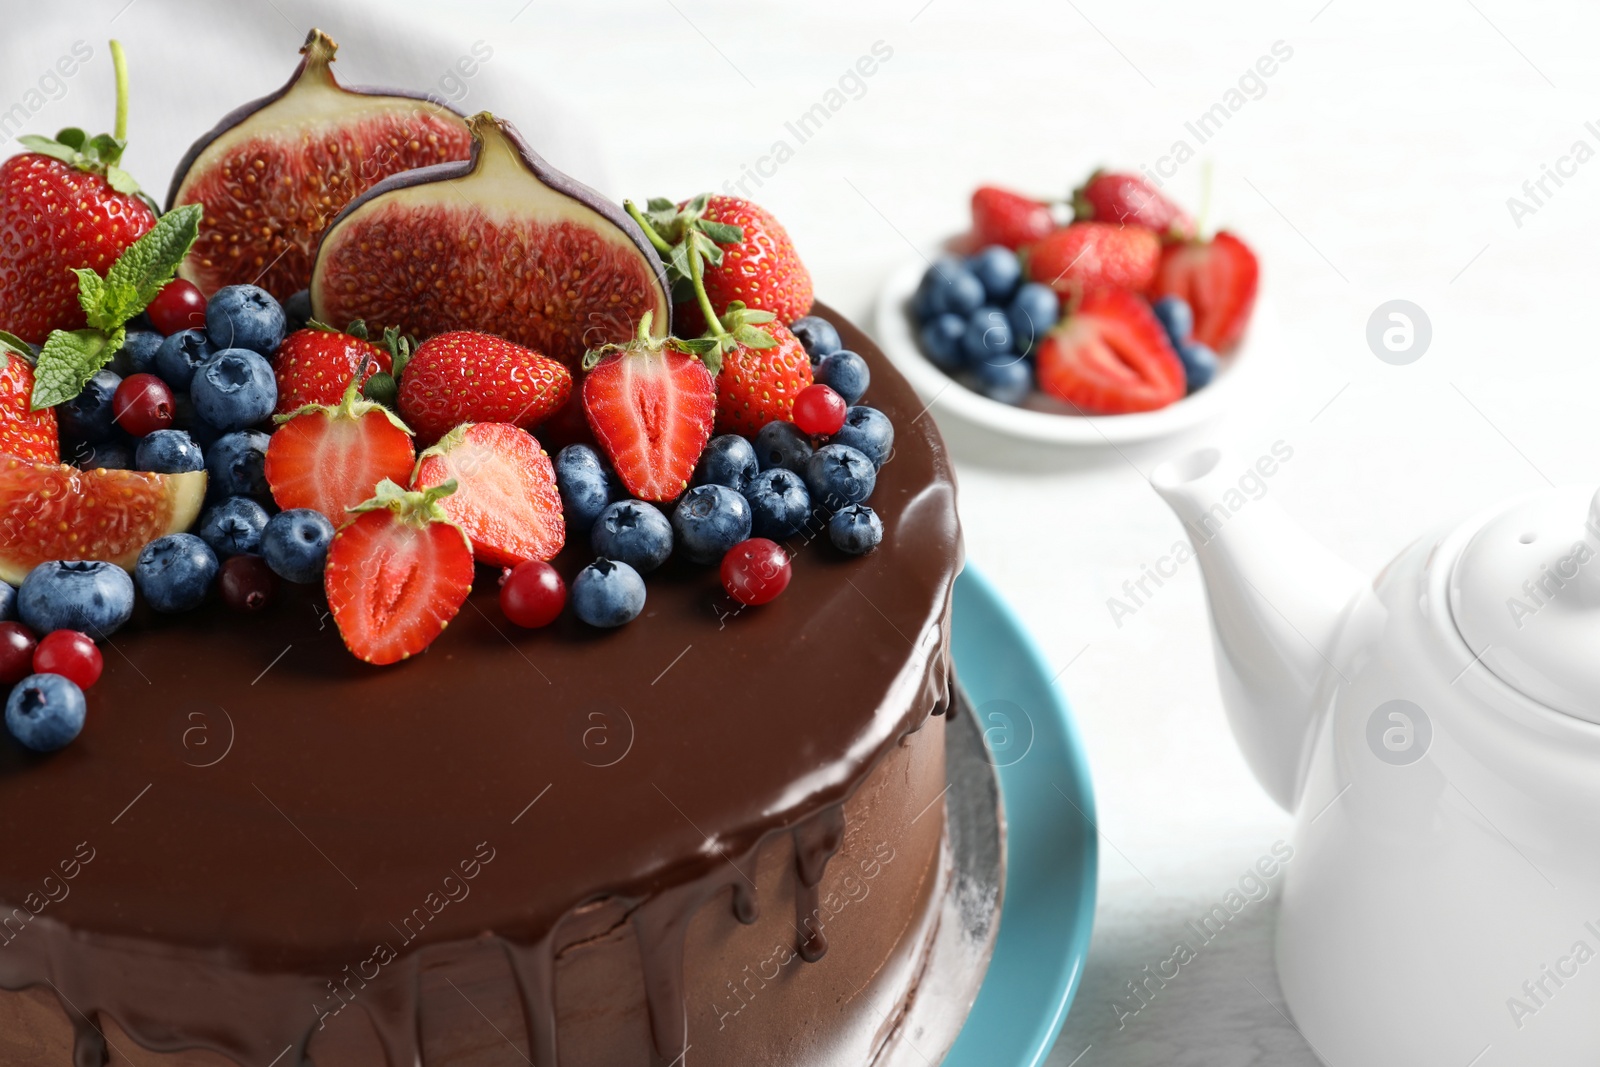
1436,733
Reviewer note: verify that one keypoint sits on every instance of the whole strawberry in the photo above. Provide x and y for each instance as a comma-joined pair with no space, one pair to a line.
1130,199
1089,255
1001,217
24,433
463,376
757,384
314,365
65,206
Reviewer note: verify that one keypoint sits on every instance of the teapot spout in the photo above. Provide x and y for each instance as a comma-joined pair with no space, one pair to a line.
1278,600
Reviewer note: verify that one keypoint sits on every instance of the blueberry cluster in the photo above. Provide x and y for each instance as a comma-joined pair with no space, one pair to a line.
1177,319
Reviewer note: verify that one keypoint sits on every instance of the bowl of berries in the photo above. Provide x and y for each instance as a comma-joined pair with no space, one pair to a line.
1106,318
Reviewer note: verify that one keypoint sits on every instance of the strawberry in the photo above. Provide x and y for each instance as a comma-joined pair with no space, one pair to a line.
1218,278
24,433
1131,200
651,404
1110,356
1087,255
314,365
397,573
764,367
65,205
1001,217
463,376
505,499
333,458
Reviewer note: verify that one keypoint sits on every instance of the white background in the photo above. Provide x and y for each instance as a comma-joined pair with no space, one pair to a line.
1376,165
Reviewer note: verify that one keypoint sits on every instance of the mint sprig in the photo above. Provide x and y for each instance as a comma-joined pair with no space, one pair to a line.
71,357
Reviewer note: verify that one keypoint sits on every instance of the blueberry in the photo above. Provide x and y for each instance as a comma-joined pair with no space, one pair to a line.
87,595
998,269
988,334
112,455
855,529
728,460
297,311
586,486
174,572
245,316
236,465
782,444
846,374
838,475
779,504
169,452
632,532
234,389
138,353
709,520
1176,318
817,336
607,593
1199,364
941,342
87,416
205,435
295,544
8,601
179,355
233,526
1033,311
949,287
1007,379
45,712
868,431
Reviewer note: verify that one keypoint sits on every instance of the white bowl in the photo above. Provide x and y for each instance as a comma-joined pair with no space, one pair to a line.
1041,418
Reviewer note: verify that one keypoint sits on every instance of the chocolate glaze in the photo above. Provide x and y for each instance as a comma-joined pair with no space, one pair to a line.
280,833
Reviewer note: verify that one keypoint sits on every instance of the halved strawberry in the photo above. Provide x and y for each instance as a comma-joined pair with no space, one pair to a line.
1110,357
1218,278
651,404
1001,217
506,498
764,367
1130,199
24,432
332,458
314,365
1086,255
397,573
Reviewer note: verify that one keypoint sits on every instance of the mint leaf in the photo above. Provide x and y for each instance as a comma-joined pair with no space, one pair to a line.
92,298
68,361
148,265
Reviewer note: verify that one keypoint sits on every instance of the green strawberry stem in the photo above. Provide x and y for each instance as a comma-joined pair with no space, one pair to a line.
657,242
697,273
119,63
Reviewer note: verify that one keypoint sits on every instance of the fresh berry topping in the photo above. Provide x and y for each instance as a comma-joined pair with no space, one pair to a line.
1218,279
607,593
245,316
999,271
87,417
236,465
314,365
783,444
988,336
86,595
295,545
8,601
763,370
819,410
1033,311
398,573
709,520
174,572
246,583
1109,357
179,306
71,654
16,652
143,405
817,336
632,532
586,486
868,431
728,460
138,353
755,571
855,529
180,355
463,376
233,526
332,458
506,497
532,594
234,389
169,452
948,287
24,433
1001,217
779,503
837,475
297,310
1129,199
846,373
1088,255
1007,378
651,404
45,712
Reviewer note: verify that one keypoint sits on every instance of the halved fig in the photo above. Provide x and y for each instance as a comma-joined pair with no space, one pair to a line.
273,173
503,244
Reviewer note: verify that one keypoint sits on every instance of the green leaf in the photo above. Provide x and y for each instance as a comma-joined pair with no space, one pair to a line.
53,149
121,181
751,337
73,138
68,361
12,345
721,232
92,298
149,263
660,203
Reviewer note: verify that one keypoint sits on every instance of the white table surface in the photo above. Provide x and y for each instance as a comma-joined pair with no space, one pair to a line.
1377,165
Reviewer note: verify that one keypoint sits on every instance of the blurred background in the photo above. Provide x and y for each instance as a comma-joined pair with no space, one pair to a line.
1376,163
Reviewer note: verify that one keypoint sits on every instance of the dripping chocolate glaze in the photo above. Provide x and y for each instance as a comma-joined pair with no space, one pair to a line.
280,830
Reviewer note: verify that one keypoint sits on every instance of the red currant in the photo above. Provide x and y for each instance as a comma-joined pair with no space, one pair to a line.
818,410
532,594
755,571
16,652
246,582
177,307
142,404
70,654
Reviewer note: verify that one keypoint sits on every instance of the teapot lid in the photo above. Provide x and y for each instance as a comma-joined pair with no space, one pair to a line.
1525,595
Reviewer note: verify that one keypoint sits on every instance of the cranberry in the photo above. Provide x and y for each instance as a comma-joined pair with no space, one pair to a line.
532,594
142,405
755,571
818,410
70,654
177,307
247,583
16,652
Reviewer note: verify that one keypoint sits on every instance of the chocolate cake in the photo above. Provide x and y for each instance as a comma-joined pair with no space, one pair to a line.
712,837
